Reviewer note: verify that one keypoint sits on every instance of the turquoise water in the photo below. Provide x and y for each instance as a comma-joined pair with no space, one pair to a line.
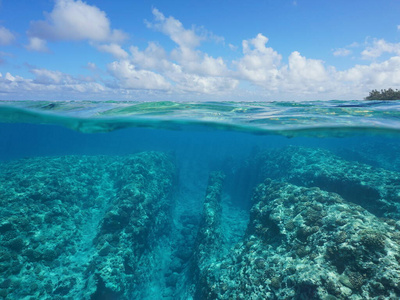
165,200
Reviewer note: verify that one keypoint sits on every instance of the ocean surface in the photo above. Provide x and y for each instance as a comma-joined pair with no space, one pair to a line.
206,200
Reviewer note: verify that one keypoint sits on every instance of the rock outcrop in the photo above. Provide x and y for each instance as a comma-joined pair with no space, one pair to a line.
79,227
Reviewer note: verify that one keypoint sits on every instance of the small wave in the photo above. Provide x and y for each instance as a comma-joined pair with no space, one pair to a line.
308,118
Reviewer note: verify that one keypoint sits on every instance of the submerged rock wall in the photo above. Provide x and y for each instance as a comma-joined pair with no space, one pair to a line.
78,227
376,189
331,233
305,243
102,227
208,242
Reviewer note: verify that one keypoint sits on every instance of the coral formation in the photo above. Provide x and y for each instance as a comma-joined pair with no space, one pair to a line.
375,189
208,239
111,227
292,252
79,226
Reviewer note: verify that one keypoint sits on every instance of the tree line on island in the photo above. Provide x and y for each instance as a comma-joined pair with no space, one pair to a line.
384,94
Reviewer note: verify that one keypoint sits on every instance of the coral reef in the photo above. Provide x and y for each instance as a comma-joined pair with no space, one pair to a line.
305,243
208,241
376,189
112,227
78,227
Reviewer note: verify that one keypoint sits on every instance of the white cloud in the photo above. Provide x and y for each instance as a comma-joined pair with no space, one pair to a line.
375,75
305,75
139,74
47,82
342,52
206,85
302,68
44,76
73,21
232,47
380,47
398,27
153,57
113,49
130,77
6,37
190,82
188,70
91,66
186,38
259,63
37,44
50,77
191,60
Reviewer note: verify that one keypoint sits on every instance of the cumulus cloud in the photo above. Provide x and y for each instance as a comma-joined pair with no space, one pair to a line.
6,37
380,47
199,62
259,63
186,38
186,69
74,21
190,59
172,77
377,75
130,77
154,57
113,49
47,82
189,82
304,74
306,69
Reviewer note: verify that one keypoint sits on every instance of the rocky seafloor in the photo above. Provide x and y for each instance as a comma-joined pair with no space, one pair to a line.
79,227
315,226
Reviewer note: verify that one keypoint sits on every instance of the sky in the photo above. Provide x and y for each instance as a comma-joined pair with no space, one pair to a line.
253,50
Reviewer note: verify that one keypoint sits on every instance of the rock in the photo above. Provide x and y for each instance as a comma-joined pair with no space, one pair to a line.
306,262
61,242
375,189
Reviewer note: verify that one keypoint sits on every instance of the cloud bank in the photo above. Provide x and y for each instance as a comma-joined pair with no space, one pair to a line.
258,72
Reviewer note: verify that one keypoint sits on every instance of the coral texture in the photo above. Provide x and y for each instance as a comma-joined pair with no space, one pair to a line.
305,243
78,227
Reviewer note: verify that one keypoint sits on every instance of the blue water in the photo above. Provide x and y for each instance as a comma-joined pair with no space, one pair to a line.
103,154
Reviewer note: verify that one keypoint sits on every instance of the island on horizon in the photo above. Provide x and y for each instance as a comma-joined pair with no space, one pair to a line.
384,94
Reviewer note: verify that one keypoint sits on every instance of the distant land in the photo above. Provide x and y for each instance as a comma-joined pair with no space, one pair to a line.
388,94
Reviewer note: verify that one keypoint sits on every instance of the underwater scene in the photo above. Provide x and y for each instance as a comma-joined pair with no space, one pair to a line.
211,200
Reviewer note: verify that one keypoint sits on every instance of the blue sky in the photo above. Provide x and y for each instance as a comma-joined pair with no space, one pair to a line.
198,50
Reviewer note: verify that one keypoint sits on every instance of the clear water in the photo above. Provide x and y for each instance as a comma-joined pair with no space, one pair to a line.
120,200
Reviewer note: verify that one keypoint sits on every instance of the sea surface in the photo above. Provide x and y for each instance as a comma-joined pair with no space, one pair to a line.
200,200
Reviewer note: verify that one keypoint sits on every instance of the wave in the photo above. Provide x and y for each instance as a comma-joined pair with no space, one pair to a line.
307,118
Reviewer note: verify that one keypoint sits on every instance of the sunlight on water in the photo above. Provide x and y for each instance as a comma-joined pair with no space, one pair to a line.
325,118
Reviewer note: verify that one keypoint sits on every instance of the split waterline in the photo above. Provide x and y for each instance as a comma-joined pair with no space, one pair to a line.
211,200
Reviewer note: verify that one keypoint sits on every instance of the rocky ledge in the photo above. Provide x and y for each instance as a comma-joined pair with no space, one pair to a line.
79,227
305,243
